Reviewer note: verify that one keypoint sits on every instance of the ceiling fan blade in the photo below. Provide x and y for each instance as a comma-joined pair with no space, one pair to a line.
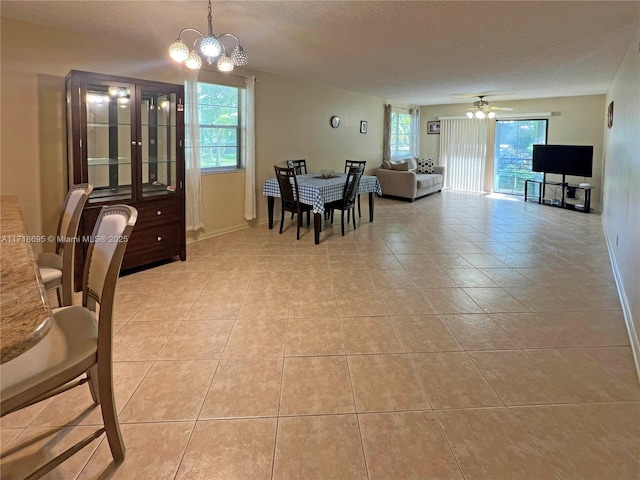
506,109
463,96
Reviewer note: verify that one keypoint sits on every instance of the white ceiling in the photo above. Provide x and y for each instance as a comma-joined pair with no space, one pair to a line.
421,52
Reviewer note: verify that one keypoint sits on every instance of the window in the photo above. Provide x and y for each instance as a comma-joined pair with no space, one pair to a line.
400,140
514,153
219,116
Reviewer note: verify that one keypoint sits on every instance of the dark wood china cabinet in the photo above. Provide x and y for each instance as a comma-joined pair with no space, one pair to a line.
126,137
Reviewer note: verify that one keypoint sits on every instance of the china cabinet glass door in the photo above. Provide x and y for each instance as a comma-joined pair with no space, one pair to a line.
158,136
109,141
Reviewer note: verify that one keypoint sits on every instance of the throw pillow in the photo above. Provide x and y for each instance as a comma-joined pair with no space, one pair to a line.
386,164
425,165
413,164
403,167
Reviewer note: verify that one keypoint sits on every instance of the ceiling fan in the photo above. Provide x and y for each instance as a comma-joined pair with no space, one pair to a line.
481,109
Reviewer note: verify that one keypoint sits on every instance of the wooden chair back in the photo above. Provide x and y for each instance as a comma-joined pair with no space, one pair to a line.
351,186
300,166
354,163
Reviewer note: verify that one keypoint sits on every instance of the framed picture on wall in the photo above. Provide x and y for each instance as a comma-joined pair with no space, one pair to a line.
433,128
363,126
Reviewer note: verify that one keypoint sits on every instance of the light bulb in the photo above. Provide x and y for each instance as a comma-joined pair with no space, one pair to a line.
225,64
193,61
470,114
210,46
491,114
480,114
97,98
178,51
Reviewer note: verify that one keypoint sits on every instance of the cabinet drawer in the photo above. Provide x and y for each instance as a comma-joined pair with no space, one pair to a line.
157,212
157,237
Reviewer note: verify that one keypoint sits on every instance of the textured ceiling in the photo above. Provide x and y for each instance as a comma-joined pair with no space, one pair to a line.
422,52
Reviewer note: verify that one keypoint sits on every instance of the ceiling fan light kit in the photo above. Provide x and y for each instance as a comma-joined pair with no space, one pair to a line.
481,109
211,47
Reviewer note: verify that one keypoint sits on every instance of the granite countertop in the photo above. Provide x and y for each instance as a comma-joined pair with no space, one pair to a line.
25,313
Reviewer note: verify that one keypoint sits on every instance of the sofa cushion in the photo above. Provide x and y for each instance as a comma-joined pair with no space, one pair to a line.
425,180
413,164
425,165
401,166
386,164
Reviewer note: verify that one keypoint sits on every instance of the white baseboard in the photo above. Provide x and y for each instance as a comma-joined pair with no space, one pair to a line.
217,233
626,311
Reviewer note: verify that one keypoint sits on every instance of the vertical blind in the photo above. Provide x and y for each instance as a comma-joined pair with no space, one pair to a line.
464,153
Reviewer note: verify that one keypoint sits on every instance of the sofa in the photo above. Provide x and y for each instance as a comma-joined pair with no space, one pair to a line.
400,179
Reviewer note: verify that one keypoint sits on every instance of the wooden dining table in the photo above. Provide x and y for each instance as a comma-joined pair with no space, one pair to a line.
25,312
317,191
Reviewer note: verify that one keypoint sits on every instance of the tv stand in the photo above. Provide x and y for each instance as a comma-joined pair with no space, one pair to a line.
568,192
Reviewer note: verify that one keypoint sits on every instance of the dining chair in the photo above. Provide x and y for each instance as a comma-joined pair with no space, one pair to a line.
56,268
289,196
299,165
349,194
355,163
77,348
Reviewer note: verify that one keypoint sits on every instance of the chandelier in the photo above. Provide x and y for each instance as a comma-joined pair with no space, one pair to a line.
211,48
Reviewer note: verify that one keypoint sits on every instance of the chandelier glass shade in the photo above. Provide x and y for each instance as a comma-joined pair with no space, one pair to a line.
209,47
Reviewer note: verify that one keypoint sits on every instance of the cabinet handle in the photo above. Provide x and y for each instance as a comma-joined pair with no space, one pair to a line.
133,142
159,238
139,143
159,212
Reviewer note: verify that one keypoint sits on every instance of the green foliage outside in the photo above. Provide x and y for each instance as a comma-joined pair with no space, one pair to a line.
218,110
514,153
400,134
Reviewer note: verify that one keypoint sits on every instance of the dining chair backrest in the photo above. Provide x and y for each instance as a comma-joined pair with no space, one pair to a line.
56,269
104,257
288,186
351,185
354,163
300,166
70,216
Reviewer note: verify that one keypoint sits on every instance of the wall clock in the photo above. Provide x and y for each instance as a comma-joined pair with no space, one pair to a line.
335,121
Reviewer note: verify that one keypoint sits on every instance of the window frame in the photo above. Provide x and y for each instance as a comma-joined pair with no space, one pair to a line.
204,170
395,133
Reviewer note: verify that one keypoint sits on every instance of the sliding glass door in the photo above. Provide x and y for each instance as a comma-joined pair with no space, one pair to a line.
514,151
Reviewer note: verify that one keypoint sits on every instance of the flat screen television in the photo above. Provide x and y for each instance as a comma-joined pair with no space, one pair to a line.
563,159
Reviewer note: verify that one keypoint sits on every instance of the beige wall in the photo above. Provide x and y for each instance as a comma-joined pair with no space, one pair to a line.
575,120
621,212
292,121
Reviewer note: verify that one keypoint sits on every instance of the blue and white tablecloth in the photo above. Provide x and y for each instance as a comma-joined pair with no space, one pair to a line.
318,191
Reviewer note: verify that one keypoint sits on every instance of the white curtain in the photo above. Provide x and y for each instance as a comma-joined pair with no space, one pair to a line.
193,186
250,149
415,132
463,151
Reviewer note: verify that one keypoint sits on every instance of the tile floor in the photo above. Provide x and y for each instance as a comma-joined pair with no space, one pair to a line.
459,336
